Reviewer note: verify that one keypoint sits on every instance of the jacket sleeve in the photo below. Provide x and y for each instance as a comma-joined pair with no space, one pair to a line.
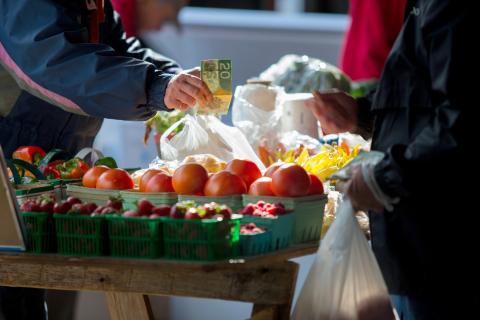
43,46
365,116
442,146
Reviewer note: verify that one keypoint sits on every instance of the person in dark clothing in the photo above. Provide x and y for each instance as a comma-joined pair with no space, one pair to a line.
423,231
76,67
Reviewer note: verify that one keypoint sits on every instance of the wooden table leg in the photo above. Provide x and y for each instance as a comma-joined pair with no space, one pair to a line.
126,306
282,311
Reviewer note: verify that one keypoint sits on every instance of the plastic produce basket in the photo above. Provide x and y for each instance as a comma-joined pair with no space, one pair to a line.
135,237
26,192
255,244
97,196
308,214
202,240
281,228
80,235
234,202
40,232
130,198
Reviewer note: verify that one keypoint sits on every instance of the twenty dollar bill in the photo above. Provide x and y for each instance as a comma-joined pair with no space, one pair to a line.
217,74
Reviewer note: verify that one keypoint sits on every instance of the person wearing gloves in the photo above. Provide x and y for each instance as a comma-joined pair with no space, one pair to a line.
75,67
424,233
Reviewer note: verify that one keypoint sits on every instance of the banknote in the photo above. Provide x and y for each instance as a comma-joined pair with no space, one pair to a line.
217,74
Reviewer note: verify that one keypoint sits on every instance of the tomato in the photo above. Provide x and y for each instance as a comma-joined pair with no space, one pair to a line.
290,180
115,179
245,169
224,183
91,176
160,182
190,179
273,167
146,177
261,187
316,186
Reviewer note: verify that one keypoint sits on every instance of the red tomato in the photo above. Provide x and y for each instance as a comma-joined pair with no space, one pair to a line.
160,182
224,183
245,169
190,179
90,177
316,186
261,187
290,180
115,179
273,167
146,177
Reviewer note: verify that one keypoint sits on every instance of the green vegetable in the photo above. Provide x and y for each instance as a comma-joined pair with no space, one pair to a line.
161,121
107,161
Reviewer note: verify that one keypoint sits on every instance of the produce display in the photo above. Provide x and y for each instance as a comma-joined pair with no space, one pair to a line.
264,210
250,228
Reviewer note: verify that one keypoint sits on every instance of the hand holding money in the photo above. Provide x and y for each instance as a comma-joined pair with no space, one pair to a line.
185,89
217,74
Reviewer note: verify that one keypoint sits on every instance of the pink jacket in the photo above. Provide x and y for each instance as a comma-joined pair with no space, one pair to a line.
374,27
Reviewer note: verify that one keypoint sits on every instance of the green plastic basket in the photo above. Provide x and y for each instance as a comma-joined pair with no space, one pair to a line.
97,196
255,244
201,240
308,214
40,232
233,202
79,235
135,237
26,192
281,228
130,198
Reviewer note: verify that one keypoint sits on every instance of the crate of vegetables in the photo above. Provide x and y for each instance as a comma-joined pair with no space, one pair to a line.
138,233
298,191
274,217
153,184
192,182
81,228
254,240
101,183
205,233
37,216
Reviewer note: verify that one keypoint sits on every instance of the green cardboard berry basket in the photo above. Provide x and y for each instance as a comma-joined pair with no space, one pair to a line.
308,212
281,228
234,202
135,237
97,196
40,232
130,198
201,240
81,235
255,244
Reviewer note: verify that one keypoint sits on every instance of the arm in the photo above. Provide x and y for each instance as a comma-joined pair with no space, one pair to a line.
448,30
43,47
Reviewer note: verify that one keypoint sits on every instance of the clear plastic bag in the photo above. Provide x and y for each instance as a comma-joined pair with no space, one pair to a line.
254,112
345,281
206,134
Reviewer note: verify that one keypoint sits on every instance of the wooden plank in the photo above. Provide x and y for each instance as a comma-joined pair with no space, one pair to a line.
280,311
127,306
260,283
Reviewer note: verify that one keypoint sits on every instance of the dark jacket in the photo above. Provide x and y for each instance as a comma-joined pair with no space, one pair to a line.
70,85
423,113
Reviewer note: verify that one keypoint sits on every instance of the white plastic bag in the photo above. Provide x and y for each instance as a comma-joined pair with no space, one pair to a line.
345,282
254,112
206,134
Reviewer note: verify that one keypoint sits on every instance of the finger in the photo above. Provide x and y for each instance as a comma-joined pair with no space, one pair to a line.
185,98
180,105
197,82
195,72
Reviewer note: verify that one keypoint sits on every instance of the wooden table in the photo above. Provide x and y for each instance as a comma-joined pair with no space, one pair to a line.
268,281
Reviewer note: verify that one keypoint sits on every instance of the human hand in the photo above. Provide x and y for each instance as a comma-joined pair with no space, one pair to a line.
359,192
336,111
185,89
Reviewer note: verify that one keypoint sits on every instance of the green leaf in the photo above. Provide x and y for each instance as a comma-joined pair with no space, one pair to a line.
107,161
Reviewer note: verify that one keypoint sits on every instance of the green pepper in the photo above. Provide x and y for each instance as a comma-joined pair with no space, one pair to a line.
73,169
